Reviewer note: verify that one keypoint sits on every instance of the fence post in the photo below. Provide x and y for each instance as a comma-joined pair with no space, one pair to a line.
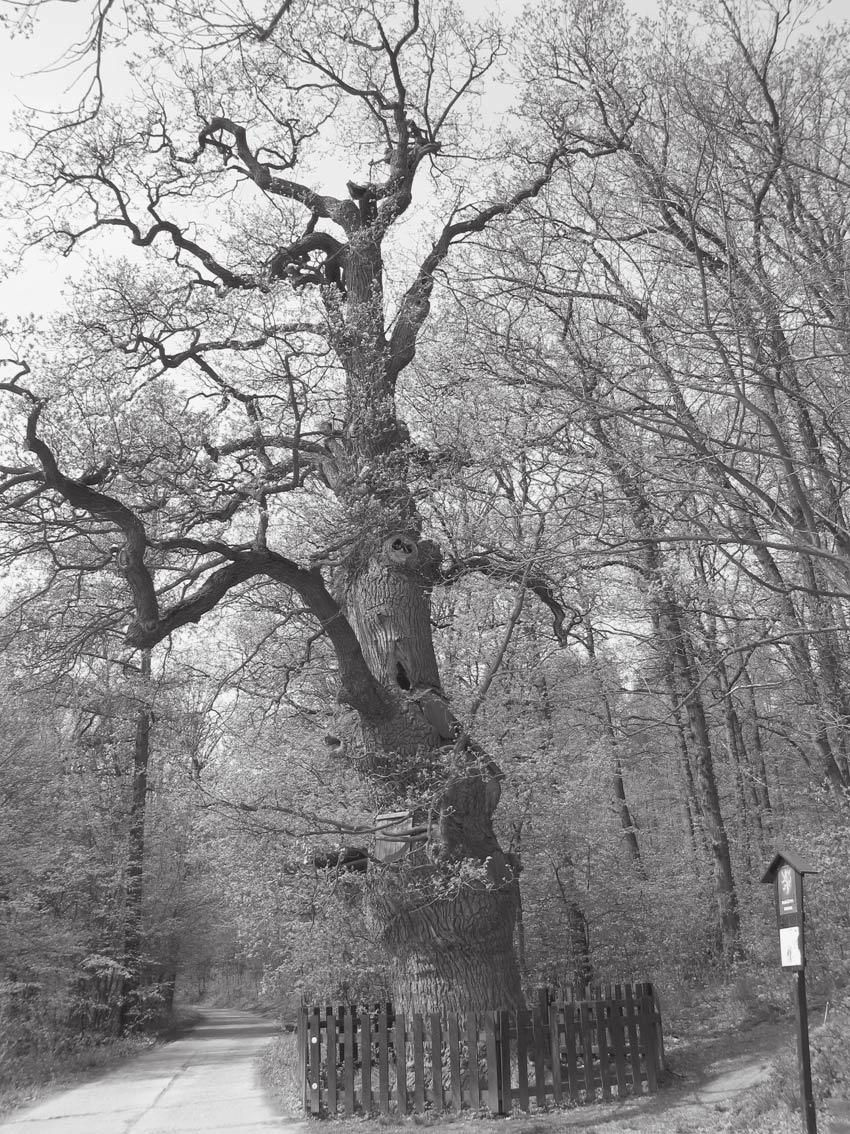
659,1033
301,1033
503,1033
331,1058
494,1062
315,1064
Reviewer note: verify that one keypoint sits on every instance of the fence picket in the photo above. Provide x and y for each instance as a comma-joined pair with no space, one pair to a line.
302,1057
523,1021
539,1023
365,1062
400,1052
504,1035
618,1039
555,1046
348,1065
573,1084
315,1063
659,1034
330,1058
646,1030
383,1063
472,1060
454,1063
575,1046
587,1049
634,1046
493,1065
436,1062
601,1011
418,1064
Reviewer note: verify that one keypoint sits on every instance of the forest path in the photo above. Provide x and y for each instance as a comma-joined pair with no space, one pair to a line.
207,1081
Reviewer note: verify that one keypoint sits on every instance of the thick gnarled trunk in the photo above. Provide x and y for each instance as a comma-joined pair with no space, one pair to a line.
452,954
446,911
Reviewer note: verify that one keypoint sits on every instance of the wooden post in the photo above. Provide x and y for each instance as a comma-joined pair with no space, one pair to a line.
785,874
522,1022
804,1062
454,1062
555,1043
330,1058
315,1064
540,1022
503,1031
437,1062
366,1062
494,1063
573,1085
587,1049
302,1056
472,1059
348,1066
418,1064
383,1061
400,1051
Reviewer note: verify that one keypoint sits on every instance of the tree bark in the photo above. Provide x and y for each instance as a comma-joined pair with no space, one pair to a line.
446,912
672,628
135,862
618,787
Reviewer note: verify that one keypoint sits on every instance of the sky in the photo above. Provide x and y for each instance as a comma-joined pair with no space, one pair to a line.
31,73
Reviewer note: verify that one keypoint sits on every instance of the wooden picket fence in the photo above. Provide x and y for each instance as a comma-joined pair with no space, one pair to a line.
362,1061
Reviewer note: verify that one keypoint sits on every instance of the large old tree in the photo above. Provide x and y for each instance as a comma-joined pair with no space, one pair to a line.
220,410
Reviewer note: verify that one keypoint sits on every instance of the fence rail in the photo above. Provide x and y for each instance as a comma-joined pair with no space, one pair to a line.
362,1061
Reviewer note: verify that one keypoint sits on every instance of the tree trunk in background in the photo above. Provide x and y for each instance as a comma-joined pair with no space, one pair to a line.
579,937
135,863
755,750
693,810
618,787
672,629
669,621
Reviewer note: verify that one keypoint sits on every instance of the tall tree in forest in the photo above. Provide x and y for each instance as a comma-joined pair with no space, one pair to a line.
226,403
681,299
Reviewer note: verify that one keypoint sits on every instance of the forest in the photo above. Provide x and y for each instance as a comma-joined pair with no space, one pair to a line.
425,532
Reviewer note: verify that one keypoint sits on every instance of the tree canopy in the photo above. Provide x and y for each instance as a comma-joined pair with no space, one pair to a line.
398,417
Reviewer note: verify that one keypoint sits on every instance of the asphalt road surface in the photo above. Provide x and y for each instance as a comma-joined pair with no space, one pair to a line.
205,1082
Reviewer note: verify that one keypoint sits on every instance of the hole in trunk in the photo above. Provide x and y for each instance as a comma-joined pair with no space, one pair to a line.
401,676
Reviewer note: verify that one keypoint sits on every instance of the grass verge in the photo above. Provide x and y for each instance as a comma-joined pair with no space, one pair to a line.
55,1061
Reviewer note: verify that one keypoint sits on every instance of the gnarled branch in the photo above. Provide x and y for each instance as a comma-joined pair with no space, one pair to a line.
497,566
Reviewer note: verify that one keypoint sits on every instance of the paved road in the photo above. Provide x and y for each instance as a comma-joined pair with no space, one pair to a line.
204,1083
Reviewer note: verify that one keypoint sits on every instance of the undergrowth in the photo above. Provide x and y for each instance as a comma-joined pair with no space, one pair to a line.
41,1060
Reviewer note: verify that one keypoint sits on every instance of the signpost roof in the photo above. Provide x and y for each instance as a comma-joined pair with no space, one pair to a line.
793,859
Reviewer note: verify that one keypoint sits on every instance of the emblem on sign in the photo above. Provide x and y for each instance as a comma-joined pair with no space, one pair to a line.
787,890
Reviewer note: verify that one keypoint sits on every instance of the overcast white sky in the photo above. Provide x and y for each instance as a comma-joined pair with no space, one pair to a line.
31,73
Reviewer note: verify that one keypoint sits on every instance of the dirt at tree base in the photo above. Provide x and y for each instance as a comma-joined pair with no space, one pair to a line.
705,1088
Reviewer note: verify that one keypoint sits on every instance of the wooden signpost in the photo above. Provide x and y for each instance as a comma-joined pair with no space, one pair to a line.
786,873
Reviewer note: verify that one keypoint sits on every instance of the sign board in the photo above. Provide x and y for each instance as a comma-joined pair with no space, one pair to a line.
791,947
392,835
785,873
396,835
